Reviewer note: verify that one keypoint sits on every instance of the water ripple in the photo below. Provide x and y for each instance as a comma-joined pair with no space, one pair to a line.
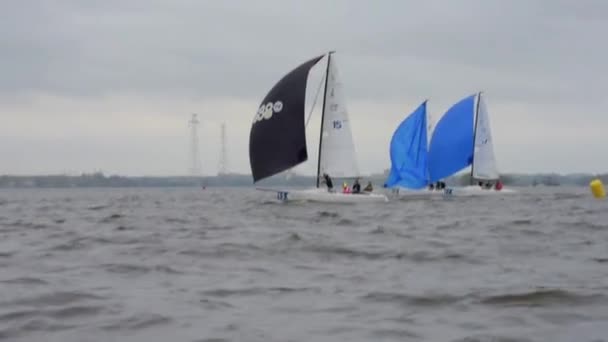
544,297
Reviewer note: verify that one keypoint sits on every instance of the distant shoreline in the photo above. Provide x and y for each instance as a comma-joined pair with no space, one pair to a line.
244,180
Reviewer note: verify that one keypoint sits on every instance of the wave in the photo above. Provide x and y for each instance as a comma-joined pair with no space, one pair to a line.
430,300
74,311
56,299
394,334
18,315
521,222
421,256
37,324
25,224
98,207
330,214
253,291
132,269
526,299
137,322
378,230
224,250
6,254
434,257
583,224
211,227
567,196
293,237
85,242
209,304
543,297
176,220
346,222
492,338
24,281
329,251
60,313
111,218
74,244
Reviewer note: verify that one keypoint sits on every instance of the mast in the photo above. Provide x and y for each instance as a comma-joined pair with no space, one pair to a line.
429,129
322,117
475,136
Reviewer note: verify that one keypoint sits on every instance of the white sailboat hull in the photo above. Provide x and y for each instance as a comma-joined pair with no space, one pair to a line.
323,196
408,194
475,190
466,191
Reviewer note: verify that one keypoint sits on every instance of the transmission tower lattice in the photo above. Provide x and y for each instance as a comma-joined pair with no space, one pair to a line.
223,167
195,159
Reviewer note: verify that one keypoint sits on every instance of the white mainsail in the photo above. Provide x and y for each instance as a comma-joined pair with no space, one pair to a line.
337,153
484,162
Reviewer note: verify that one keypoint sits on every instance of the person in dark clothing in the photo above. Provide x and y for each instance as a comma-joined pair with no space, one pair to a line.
356,187
328,182
369,187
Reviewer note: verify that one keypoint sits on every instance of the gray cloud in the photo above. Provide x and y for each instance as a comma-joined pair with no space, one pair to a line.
544,58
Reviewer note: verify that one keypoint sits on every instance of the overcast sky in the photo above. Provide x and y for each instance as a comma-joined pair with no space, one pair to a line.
110,85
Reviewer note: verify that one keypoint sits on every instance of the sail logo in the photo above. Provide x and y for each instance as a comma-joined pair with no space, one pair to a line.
337,124
266,111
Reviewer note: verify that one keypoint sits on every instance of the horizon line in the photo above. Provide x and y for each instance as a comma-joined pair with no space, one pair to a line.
250,175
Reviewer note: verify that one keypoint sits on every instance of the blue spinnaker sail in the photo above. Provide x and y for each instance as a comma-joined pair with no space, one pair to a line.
408,152
451,147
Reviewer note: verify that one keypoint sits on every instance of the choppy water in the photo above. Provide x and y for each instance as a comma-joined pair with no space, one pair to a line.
224,265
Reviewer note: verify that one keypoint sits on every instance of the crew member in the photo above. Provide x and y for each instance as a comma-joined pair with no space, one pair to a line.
356,187
328,182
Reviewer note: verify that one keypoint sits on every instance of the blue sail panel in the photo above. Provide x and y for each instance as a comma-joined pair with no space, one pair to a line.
408,151
451,147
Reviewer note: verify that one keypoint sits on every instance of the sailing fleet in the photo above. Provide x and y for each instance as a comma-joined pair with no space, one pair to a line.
462,138
421,156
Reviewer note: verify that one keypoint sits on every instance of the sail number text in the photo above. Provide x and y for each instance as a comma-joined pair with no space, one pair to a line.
266,111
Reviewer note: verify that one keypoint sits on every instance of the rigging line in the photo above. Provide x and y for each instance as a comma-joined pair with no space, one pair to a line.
315,101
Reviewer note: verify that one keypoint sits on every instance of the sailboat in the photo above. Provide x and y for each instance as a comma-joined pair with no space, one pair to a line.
463,138
409,172
277,140
483,165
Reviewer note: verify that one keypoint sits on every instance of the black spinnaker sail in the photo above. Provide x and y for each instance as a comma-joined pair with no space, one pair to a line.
277,140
